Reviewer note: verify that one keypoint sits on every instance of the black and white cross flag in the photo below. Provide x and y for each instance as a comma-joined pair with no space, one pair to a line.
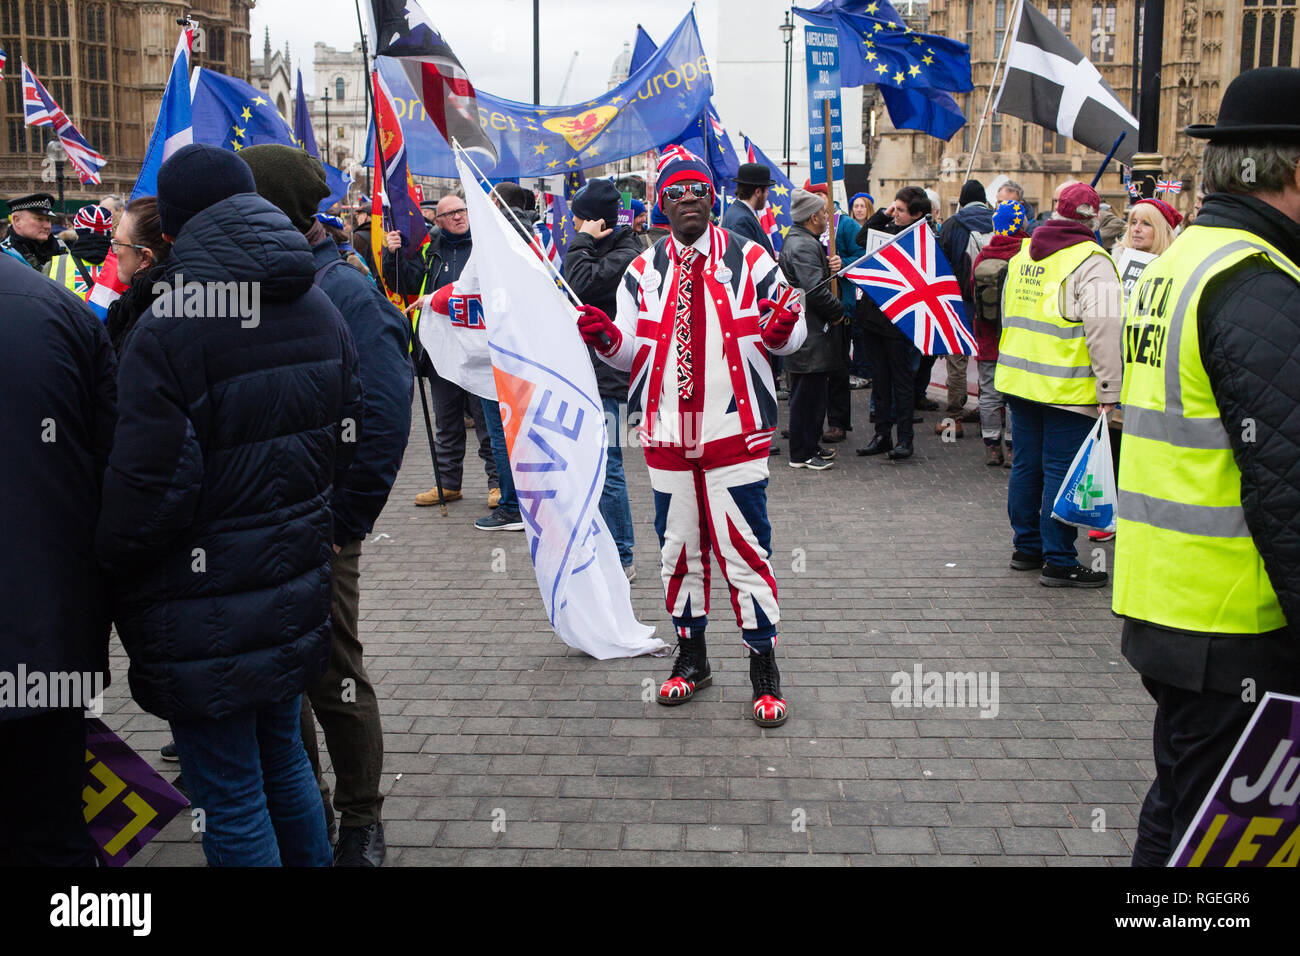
1048,81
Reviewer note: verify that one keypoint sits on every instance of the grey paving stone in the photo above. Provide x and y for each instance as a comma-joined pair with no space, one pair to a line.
483,707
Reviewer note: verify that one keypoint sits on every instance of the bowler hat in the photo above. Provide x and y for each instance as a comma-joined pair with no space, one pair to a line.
1250,107
754,174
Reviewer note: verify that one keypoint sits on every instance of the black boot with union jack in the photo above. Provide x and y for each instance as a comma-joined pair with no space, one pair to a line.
770,709
691,671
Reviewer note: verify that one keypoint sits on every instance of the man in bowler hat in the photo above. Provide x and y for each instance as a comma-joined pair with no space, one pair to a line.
752,183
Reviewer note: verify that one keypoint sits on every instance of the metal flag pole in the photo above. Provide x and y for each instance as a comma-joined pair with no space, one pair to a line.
1106,162
1006,40
419,364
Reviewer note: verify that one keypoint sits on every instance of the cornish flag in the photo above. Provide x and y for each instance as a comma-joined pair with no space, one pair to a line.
911,281
1048,81
41,110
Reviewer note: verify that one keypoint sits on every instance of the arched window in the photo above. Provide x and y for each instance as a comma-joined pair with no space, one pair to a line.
1248,24
999,23
338,89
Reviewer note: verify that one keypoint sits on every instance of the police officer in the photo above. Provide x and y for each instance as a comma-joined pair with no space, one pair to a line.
1207,556
1059,366
30,238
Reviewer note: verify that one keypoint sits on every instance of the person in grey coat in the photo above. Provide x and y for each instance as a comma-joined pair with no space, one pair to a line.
806,265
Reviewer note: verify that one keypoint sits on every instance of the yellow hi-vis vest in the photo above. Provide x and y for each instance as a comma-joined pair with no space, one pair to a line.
64,271
1042,355
1184,557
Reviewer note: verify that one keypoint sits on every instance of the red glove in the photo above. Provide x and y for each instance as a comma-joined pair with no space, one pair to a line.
779,323
598,330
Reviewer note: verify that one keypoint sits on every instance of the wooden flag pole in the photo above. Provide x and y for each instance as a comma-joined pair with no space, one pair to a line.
830,189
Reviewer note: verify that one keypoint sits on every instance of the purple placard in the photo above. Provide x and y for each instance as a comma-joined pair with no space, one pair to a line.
1250,817
126,802
625,216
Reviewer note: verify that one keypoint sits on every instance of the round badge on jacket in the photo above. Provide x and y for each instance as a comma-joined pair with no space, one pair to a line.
650,281
722,274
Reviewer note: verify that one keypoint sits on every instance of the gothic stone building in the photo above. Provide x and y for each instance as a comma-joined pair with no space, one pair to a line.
1206,44
106,64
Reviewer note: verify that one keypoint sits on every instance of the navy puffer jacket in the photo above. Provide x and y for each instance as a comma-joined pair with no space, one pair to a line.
231,434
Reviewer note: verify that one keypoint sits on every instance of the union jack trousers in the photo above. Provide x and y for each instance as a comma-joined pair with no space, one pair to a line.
722,510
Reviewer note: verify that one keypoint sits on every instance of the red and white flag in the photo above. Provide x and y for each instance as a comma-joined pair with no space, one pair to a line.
403,31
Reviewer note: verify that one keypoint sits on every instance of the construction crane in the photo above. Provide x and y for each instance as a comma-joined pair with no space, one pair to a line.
564,87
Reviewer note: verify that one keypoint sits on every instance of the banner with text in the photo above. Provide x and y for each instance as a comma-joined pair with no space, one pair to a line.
1249,817
822,46
654,105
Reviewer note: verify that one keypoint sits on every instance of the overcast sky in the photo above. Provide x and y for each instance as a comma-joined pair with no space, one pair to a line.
499,58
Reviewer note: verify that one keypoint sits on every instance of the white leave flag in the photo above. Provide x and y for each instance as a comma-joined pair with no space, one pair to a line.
555,431
453,330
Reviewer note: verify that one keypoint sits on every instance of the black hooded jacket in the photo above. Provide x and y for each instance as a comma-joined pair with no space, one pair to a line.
594,268
232,433
1249,328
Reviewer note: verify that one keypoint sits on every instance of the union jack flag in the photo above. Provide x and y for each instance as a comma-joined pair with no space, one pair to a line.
1171,186
41,110
2,64
1134,190
914,285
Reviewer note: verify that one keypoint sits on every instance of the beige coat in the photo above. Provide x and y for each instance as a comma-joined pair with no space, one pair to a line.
1092,294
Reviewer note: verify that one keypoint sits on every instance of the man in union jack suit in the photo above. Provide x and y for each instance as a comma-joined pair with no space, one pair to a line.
699,313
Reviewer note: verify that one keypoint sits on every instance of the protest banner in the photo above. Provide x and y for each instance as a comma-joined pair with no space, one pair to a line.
1249,817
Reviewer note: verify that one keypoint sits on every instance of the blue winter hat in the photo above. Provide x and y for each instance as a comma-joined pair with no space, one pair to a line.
867,196
195,177
657,217
1009,218
638,208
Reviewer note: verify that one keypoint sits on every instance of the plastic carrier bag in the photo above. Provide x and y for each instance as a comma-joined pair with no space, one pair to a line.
1087,498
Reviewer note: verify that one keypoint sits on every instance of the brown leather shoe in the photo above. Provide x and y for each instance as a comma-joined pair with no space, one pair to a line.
942,425
430,497
833,434
993,455
494,497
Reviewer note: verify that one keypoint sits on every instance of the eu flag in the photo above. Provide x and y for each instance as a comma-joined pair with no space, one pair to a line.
231,114
914,71
776,217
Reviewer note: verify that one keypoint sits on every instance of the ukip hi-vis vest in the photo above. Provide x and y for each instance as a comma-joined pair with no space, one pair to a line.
1184,557
1042,354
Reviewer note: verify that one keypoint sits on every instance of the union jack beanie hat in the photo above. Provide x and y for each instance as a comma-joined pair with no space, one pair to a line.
676,164
95,218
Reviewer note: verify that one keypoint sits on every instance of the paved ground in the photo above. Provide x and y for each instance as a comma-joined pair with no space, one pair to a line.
882,567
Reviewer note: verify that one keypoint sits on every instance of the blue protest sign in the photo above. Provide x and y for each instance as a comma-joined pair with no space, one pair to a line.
822,48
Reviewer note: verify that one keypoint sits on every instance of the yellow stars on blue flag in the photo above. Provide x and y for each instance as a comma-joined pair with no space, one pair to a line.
246,115
914,70
780,190
539,149
898,78
882,69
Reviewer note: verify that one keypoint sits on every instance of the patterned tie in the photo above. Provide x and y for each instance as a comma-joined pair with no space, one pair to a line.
682,327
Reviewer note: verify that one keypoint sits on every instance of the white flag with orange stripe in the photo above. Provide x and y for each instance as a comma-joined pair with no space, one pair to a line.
555,431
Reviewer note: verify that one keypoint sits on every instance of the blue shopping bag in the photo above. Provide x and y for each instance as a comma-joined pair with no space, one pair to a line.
1087,498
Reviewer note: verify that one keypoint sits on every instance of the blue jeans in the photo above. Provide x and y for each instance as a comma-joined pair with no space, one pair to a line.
497,432
250,775
1047,439
614,506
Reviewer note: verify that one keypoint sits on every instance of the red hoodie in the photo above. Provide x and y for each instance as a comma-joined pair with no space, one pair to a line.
986,333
